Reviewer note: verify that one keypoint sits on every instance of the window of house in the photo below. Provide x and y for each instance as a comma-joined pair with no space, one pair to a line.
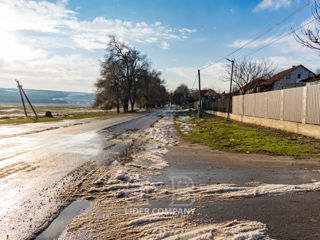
299,75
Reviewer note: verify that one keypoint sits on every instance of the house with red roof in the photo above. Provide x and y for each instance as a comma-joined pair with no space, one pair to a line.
208,93
289,78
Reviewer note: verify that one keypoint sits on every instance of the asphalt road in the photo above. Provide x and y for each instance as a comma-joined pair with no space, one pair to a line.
287,216
33,156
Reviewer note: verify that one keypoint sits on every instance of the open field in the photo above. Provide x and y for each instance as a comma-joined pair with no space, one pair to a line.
220,134
14,113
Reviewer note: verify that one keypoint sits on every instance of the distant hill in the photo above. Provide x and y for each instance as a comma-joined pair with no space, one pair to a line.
11,95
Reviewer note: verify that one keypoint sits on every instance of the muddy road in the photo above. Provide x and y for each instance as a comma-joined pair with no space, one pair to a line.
35,157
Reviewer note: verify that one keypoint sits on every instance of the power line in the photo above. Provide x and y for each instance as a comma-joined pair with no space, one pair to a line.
261,34
278,39
195,79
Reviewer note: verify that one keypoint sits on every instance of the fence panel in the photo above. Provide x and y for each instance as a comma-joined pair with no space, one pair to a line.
260,105
223,104
237,105
235,100
249,104
270,104
313,104
274,104
292,104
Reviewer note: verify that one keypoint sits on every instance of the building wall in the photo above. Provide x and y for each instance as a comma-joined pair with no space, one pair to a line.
291,80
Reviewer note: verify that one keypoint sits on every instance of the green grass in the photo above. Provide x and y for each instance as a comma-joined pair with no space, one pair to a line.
46,119
234,136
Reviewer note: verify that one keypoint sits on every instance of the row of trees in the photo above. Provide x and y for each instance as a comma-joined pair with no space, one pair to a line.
127,80
183,96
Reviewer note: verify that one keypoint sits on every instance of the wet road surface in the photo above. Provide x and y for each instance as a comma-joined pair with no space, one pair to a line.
34,157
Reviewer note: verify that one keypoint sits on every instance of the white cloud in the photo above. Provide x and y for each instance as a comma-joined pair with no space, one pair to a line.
47,17
272,5
184,30
56,72
211,77
165,45
284,44
48,46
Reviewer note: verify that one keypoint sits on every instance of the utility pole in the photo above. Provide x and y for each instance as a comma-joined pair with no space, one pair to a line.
22,92
22,100
230,96
200,105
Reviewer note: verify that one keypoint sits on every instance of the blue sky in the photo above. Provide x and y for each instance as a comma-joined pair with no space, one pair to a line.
58,44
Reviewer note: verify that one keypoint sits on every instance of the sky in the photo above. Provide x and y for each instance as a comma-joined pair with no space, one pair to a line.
59,45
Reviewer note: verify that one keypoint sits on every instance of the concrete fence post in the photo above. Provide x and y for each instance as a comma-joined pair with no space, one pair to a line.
242,107
304,105
281,104
266,106
254,106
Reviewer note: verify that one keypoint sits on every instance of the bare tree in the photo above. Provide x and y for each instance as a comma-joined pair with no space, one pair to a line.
122,73
181,95
151,89
110,85
247,71
310,37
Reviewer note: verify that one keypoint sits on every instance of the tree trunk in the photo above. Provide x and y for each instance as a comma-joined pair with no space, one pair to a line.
118,107
132,105
125,108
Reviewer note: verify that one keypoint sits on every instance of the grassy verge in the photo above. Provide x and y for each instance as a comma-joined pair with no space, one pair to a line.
46,119
234,136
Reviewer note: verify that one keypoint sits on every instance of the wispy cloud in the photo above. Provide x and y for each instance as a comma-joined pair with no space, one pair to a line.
285,44
212,77
272,5
55,18
165,45
46,40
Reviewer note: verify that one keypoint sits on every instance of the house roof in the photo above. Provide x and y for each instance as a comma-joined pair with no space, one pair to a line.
312,79
253,84
281,74
263,82
204,92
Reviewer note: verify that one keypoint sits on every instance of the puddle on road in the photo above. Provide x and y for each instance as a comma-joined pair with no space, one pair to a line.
54,230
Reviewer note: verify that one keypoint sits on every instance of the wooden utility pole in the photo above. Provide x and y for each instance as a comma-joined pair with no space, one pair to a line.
200,105
24,107
230,91
22,100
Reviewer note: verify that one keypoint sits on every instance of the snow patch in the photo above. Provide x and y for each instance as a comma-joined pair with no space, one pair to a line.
229,191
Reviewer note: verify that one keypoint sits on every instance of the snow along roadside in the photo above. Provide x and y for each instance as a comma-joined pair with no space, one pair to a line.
122,186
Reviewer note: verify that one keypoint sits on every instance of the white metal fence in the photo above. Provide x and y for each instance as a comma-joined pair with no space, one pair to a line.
295,104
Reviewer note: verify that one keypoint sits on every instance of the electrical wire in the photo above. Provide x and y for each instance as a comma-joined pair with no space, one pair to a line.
278,39
261,34
195,79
